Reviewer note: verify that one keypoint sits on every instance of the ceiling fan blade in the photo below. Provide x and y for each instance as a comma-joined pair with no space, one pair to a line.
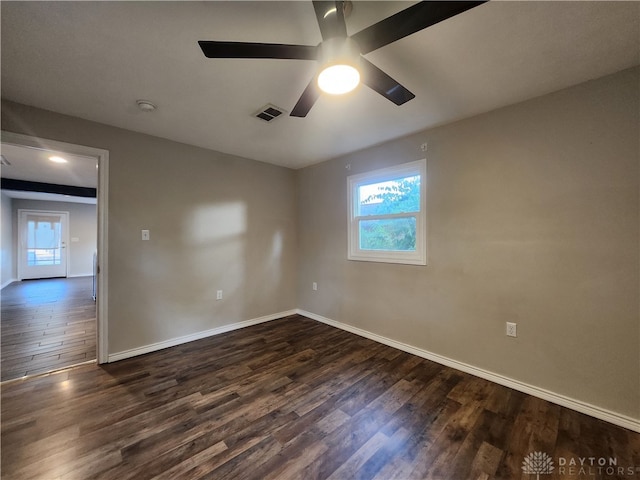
214,49
330,17
382,83
408,21
307,100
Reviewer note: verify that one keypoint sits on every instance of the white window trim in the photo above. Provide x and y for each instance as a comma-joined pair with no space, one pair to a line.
419,256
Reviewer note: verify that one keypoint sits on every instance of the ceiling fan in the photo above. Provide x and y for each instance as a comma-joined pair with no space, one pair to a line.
342,65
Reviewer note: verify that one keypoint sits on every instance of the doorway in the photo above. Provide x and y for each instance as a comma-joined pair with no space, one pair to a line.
38,256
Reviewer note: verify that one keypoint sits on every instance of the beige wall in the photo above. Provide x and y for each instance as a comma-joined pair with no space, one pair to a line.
217,222
8,271
82,226
533,214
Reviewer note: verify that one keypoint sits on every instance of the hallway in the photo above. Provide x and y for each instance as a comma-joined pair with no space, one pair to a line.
47,325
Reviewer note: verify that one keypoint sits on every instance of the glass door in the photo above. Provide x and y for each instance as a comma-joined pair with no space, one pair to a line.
43,244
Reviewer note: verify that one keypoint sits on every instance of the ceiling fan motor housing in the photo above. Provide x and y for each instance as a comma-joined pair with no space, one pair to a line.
339,51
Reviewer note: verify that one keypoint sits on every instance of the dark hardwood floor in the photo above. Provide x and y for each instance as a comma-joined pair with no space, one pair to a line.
289,399
46,325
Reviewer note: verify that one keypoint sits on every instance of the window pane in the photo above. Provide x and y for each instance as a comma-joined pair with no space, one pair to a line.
395,234
42,256
43,240
393,196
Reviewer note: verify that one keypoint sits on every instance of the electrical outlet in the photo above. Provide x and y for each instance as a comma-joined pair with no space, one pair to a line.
219,295
314,286
512,330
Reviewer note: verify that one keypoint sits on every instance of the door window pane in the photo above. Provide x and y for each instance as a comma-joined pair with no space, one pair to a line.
43,240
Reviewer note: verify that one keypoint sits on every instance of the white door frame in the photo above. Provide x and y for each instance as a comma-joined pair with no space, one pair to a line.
102,156
22,241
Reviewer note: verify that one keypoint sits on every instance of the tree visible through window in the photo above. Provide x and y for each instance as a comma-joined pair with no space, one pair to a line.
387,215
391,197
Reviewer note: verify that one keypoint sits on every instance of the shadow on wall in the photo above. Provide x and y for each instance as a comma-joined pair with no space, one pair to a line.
221,268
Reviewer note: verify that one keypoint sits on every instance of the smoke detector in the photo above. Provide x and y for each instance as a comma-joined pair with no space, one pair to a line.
146,105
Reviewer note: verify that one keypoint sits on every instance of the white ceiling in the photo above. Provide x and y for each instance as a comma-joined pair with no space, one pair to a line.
95,59
33,164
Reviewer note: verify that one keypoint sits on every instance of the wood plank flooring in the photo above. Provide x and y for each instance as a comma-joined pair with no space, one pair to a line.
288,399
46,325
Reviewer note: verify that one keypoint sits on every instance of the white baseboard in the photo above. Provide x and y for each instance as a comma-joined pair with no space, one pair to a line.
68,276
8,282
573,404
172,342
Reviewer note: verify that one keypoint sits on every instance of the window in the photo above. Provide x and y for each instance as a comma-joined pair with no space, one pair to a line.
387,215
44,241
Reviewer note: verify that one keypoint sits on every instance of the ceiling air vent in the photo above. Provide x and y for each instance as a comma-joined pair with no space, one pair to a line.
269,112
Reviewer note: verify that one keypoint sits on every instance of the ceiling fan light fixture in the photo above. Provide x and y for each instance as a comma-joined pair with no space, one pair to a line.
339,59
338,79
